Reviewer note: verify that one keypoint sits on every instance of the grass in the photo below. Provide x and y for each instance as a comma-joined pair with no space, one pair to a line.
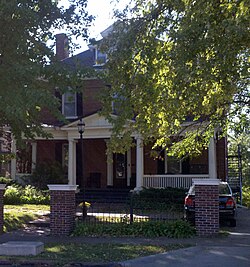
60,254
16,216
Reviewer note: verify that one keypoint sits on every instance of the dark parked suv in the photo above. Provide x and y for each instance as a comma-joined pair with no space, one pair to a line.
227,205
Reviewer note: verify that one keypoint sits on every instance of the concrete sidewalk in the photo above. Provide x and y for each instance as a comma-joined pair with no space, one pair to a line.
229,251
196,256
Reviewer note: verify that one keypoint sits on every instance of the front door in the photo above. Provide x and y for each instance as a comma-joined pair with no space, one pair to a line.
120,170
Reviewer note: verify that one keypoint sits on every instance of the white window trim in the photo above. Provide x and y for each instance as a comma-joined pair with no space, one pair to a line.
100,64
63,106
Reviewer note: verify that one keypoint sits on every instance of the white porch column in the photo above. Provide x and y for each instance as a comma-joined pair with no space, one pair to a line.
13,161
139,163
128,167
72,162
33,155
212,163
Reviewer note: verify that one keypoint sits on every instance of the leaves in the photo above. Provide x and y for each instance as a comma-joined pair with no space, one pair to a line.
180,69
29,72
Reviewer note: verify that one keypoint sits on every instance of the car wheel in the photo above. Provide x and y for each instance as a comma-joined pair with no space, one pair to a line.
232,223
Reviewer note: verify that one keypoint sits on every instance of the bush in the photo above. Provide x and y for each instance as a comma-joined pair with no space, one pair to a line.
246,196
46,173
16,194
176,229
6,180
159,199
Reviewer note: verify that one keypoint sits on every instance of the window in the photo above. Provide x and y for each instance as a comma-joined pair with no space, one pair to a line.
69,105
100,58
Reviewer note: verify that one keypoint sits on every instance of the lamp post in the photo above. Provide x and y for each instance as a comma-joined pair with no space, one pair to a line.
81,126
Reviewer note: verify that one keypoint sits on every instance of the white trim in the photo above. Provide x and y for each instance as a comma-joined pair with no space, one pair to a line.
128,167
139,163
62,187
212,162
72,162
209,181
75,105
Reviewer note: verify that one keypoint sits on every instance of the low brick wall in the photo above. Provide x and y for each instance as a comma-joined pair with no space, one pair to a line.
62,210
207,207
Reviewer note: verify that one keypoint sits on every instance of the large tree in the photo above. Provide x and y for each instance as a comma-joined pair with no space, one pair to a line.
29,72
180,68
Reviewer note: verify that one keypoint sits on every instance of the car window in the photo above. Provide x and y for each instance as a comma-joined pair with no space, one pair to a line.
224,189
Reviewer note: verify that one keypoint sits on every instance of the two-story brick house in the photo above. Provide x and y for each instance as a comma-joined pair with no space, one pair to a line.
93,168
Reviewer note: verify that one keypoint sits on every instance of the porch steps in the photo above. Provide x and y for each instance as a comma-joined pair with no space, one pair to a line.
104,195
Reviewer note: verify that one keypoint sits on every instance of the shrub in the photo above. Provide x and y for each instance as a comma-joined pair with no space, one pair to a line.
176,229
16,194
46,173
6,180
246,196
159,199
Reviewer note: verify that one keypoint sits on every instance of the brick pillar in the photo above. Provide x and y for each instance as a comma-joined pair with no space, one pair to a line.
62,209
206,206
2,188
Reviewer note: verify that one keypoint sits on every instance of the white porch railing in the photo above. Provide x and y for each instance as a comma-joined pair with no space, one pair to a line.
171,180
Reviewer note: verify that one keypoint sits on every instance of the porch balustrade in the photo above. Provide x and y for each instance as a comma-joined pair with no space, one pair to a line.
171,180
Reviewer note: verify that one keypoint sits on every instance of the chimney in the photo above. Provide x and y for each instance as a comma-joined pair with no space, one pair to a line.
62,46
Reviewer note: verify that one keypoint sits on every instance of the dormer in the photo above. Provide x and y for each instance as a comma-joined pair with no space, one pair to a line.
100,58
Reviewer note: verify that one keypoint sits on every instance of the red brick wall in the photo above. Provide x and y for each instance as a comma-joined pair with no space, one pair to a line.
62,212
150,164
95,159
91,92
47,150
207,209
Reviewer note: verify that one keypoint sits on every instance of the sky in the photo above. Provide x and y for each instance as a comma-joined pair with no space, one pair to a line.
102,10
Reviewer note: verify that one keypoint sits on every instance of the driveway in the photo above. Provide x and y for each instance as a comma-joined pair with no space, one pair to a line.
231,251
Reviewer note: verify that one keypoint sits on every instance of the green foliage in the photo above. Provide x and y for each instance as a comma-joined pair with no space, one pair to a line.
246,196
46,173
29,70
6,180
14,221
176,62
16,194
159,199
176,229
239,143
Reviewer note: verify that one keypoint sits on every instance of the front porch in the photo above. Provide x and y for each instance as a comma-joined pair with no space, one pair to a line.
174,180
89,166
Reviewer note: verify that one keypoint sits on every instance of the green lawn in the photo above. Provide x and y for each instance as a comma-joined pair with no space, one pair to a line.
60,254
16,216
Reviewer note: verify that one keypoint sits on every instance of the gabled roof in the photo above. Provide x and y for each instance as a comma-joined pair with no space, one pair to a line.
92,121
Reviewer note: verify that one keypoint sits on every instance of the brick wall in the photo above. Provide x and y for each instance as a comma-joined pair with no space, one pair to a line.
206,209
62,212
91,92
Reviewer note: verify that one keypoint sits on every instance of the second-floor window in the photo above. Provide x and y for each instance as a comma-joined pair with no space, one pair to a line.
100,58
69,105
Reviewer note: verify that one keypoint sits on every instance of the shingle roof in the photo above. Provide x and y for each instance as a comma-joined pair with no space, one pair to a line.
83,59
